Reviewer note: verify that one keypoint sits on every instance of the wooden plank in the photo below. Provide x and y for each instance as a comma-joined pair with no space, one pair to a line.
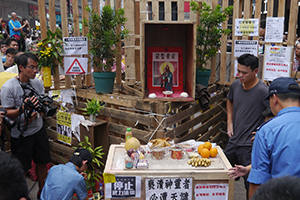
117,99
76,32
160,109
271,8
179,105
65,33
66,150
173,119
51,133
212,88
185,126
130,91
216,138
281,8
58,158
292,24
235,14
203,128
212,78
115,140
129,116
51,122
142,56
42,18
96,6
118,48
257,13
211,132
121,129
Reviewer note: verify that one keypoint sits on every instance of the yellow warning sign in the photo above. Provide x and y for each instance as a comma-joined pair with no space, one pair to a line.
246,27
63,118
109,178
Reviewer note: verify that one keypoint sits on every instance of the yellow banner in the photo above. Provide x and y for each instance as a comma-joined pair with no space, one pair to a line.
63,118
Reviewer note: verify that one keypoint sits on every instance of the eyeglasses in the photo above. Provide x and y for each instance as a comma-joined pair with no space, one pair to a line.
34,68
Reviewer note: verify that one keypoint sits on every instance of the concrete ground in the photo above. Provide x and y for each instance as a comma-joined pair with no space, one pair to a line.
239,190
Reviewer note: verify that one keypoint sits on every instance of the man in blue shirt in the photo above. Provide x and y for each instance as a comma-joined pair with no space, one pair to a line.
276,146
15,26
65,180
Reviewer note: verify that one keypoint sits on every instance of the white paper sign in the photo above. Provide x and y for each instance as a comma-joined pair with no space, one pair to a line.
236,68
276,62
245,46
246,27
274,29
211,191
75,45
169,189
75,65
124,187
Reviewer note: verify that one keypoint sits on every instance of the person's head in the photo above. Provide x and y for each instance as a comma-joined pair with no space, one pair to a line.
10,54
14,16
12,43
262,28
13,184
82,159
247,68
33,47
3,47
283,92
27,65
282,188
267,114
297,49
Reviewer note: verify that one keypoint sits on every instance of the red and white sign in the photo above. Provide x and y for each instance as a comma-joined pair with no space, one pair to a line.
211,191
75,65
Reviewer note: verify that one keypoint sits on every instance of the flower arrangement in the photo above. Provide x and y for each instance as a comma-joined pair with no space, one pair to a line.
49,50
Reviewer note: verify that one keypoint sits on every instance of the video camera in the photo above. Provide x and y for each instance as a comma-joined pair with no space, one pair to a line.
8,122
43,101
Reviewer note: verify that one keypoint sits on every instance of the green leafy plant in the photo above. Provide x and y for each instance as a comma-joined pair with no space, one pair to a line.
50,49
209,31
103,35
92,107
92,175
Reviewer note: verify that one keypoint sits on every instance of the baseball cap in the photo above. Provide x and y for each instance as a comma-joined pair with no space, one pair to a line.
85,155
283,85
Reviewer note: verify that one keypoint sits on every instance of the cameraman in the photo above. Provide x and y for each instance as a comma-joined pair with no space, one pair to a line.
28,138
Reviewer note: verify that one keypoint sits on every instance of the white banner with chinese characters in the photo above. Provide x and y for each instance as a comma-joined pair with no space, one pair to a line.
124,187
274,29
276,62
211,191
63,128
169,188
245,46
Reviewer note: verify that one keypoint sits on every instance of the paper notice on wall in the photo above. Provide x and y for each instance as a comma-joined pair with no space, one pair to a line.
124,187
246,27
63,128
245,46
211,191
274,29
276,62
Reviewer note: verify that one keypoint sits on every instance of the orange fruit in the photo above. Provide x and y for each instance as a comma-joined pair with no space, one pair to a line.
207,145
213,152
205,153
200,147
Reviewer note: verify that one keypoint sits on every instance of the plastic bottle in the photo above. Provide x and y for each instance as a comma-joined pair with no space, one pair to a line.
128,134
101,191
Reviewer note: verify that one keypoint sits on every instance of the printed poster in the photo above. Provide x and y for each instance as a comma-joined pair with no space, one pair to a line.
276,62
211,191
160,61
246,27
245,46
169,188
75,65
63,128
274,29
75,45
124,187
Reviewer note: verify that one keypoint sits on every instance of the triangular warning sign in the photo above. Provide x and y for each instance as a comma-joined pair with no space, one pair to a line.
75,68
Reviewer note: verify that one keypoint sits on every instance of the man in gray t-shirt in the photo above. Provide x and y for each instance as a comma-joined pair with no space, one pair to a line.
245,105
28,138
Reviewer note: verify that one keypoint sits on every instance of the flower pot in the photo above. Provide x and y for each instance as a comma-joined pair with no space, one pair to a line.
47,76
92,118
202,77
104,81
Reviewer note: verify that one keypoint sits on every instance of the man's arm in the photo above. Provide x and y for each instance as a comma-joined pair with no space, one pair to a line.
229,118
252,188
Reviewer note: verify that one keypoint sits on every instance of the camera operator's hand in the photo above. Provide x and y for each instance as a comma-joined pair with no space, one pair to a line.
31,103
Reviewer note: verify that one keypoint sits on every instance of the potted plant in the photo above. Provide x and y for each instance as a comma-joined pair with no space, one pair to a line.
92,108
93,176
49,51
103,35
209,33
